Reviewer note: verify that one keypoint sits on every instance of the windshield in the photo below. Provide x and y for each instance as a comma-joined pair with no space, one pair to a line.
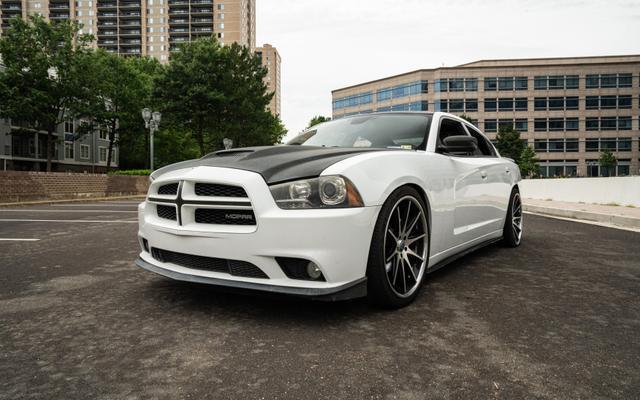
375,130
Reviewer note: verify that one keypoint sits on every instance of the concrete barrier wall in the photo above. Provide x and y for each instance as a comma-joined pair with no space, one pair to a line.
619,190
18,186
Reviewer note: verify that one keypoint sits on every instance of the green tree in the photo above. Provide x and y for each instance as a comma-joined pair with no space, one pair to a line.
45,76
318,119
607,162
211,92
133,137
508,143
528,162
118,95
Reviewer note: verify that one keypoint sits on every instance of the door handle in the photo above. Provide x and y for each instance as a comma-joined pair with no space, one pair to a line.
507,170
483,175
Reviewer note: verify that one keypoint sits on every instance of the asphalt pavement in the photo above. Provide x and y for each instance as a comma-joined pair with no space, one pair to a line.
555,318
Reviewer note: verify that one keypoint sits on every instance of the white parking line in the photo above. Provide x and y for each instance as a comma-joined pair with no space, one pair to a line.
68,211
88,221
17,240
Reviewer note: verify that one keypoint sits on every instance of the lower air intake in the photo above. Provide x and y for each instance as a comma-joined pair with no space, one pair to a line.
233,267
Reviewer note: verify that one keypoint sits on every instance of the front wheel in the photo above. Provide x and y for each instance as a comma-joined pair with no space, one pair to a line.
399,250
512,231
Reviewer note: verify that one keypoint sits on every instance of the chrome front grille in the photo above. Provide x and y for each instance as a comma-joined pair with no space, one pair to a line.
219,190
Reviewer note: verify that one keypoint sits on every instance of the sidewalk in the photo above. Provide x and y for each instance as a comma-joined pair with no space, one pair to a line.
617,216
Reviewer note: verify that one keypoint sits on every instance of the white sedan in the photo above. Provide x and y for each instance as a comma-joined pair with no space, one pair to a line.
364,205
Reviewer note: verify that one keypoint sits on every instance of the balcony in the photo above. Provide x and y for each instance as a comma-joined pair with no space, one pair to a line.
178,2
107,33
201,11
201,21
61,6
107,24
130,42
209,30
201,2
130,51
178,21
107,5
179,30
130,4
11,8
107,42
130,32
58,16
132,22
174,11
178,39
130,14
107,15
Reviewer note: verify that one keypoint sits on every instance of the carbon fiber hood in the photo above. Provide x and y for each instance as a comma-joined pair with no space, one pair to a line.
274,163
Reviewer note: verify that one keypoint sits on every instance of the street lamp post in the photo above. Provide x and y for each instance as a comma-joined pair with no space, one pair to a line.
151,121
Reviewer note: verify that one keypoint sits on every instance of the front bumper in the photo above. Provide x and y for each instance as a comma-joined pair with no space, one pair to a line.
336,240
347,291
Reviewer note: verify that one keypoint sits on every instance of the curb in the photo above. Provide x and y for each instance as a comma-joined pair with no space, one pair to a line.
619,220
83,200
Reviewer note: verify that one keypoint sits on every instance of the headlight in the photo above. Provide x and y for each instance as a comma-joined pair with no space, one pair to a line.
331,191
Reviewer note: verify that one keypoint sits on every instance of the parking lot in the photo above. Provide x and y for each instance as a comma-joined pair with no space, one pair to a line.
556,318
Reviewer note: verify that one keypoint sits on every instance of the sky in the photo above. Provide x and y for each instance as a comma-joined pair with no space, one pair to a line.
330,44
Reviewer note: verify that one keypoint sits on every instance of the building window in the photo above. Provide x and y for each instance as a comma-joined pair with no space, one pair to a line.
68,150
506,104
595,81
608,102
457,105
103,134
555,103
69,127
554,82
84,151
456,85
352,101
102,154
410,89
220,6
507,83
490,125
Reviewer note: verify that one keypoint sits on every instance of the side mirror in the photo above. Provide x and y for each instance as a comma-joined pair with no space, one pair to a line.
460,144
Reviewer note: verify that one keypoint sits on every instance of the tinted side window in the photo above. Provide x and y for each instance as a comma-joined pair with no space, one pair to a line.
448,128
484,147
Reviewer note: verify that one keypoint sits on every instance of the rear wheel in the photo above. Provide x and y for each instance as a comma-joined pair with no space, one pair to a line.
399,250
512,231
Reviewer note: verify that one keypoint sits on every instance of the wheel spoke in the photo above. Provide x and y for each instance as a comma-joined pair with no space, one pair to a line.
392,235
406,220
404,276
413,239
406,258
395,271
390,258
414,254
415,221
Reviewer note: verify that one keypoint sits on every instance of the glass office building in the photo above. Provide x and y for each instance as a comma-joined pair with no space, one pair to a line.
568,110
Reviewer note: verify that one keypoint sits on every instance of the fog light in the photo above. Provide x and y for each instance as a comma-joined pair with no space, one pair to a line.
313,271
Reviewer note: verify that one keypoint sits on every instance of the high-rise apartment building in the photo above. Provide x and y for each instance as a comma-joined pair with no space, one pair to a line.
569,110
271,61
146,27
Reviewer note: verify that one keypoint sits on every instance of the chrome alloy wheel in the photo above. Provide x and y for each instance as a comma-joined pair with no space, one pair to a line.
516,217
406,243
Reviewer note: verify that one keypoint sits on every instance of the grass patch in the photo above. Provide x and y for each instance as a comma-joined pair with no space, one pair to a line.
132,172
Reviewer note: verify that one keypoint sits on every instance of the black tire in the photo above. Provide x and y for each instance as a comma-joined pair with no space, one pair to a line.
406,244
512,231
